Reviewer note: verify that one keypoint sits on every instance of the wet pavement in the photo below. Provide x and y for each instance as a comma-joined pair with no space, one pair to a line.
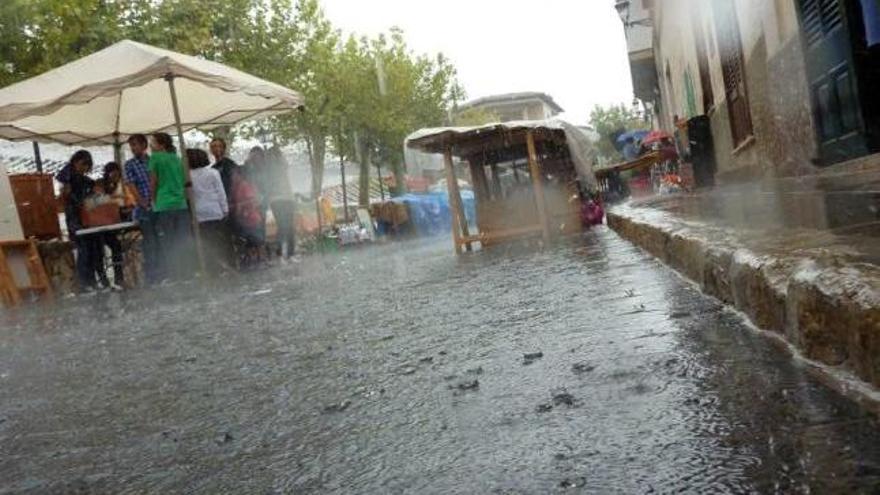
586,368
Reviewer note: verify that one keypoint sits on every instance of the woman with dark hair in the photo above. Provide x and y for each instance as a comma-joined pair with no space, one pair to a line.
163,142
211,208
168,185
111,183
77,186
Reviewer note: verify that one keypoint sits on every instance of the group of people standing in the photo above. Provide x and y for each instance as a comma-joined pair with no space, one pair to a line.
230,204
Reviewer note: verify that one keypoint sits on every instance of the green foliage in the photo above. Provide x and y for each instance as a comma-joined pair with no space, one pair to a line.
609,121
363,95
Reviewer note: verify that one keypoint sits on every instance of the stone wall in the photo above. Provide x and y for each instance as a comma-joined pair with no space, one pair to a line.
60,266
60,263
793,146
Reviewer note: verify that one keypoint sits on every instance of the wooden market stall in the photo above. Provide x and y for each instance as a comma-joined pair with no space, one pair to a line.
528,178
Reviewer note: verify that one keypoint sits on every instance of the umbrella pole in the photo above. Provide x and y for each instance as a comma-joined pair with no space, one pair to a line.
117,149
186,172
37,158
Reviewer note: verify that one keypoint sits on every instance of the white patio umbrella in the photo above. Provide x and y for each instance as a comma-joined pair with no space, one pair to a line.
130,88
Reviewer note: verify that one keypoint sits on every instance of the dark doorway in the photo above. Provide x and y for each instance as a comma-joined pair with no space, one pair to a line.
840,37
865,21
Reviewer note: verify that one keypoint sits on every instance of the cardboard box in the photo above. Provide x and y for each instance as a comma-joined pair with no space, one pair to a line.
103,214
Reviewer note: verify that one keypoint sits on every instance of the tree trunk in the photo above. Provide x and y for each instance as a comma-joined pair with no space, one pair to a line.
317,146
365,153
399,178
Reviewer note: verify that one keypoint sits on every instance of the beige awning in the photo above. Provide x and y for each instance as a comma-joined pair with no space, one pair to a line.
123,90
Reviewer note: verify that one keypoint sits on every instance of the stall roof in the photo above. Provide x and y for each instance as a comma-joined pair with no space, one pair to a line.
466,141
122,90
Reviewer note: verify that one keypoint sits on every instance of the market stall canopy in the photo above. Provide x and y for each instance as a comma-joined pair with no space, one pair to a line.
123,89
469,141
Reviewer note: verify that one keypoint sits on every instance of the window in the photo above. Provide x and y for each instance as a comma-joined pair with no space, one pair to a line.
821,17
732,61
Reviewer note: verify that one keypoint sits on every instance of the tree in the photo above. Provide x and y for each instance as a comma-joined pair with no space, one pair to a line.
38,35
363,95
609,122
419,91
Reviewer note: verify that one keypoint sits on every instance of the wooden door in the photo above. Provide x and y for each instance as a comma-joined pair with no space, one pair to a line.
832,80
730,50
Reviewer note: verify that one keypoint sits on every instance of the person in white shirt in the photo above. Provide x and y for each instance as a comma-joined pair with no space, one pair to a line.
211,209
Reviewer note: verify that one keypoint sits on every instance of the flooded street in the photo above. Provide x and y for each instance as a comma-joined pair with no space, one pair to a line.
589,367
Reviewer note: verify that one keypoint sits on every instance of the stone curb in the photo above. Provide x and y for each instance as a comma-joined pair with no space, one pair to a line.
828,311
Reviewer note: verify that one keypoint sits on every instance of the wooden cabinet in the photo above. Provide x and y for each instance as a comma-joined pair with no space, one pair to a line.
37,207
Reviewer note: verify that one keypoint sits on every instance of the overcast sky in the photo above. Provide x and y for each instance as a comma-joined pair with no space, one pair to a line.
573,50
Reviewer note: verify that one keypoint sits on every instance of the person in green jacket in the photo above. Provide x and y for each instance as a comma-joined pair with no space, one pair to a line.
168,184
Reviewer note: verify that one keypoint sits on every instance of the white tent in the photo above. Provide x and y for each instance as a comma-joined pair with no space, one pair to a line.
132,88
128,88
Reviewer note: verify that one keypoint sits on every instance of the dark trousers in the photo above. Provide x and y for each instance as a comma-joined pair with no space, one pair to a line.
176,259
87,248
111,241
150,247
283,210
216,244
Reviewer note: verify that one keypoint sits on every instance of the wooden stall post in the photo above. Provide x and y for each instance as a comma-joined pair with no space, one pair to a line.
454,198
538,184
461,217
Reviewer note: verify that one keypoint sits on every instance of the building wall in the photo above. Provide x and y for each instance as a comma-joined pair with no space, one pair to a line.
530,110
784,137
638,38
